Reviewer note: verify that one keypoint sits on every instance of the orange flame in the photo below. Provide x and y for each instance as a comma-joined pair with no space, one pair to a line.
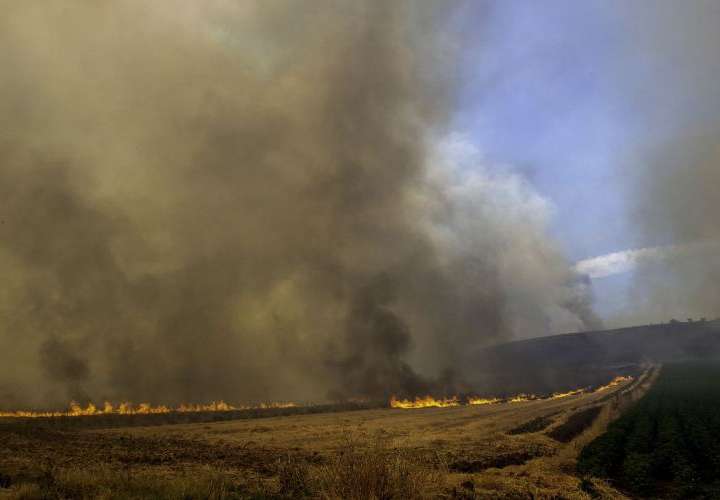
522,398
560,395
426,402
127,408
483,401
616,381
430,402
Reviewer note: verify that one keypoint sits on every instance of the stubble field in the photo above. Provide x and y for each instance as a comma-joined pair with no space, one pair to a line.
507,450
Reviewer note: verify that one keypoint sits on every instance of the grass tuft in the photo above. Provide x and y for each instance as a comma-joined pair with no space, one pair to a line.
377,472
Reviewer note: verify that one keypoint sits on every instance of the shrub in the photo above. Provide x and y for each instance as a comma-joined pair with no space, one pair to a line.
375,473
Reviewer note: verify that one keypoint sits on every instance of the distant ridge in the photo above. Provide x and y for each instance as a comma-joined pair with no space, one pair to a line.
566,361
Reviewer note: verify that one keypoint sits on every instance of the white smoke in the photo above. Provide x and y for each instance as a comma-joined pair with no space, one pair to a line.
494,211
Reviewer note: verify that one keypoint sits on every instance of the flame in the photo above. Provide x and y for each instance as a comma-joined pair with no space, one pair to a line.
426,402
559,395
430,402
521,398
127,408
277,405
483,401
214,406
616,381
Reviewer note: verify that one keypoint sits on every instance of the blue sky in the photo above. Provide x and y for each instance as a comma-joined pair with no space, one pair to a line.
537,94
574,95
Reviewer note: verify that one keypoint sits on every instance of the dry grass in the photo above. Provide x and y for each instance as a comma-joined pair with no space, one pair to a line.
380,454
356,472
106,483
378,472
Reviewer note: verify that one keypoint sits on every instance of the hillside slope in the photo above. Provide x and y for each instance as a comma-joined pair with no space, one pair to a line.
567,361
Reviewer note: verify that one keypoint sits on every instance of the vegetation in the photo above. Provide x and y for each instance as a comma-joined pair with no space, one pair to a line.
145,419
460,452
575,424
500,460
355,473
109,483
358,473
668,443
535,425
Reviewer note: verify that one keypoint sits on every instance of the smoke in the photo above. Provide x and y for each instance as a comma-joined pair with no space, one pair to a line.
679,201
250,201
675,171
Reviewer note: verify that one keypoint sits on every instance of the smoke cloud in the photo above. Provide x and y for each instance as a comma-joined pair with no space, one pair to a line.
253,201
675,170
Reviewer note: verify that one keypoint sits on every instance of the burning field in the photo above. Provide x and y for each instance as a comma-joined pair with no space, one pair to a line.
271,204
344,249
77,410
221,407
462,450
431,402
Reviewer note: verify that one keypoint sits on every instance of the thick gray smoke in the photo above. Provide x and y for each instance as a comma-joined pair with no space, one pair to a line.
249,201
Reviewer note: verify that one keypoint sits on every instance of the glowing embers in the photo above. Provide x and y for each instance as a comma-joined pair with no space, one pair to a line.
426,402
76,410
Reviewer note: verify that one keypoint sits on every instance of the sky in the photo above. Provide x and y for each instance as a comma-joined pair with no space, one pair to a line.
576,96
537,78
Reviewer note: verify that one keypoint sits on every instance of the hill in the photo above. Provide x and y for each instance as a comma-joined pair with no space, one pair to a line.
567,361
